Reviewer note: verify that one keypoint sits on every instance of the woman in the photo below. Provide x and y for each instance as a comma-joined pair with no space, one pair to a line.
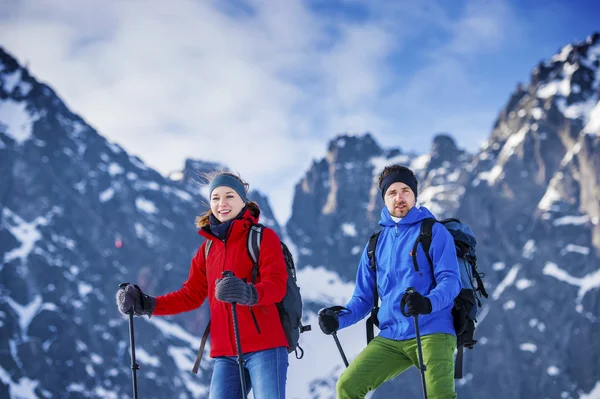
263,340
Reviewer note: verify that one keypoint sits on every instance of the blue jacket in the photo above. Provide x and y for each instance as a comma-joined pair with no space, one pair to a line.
396,272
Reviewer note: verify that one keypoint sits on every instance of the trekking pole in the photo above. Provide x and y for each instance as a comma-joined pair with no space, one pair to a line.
238,343
422,367
134,365
331,311
337,342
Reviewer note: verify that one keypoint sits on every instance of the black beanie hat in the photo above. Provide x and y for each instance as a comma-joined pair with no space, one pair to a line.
402,176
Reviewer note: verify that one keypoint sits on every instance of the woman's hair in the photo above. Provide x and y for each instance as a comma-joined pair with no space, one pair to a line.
204,219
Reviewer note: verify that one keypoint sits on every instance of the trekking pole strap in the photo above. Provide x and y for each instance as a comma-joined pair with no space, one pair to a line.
201,349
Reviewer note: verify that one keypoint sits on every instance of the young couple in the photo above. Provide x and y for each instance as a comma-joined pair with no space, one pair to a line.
227,223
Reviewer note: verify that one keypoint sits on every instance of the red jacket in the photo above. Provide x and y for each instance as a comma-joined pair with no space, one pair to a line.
233,255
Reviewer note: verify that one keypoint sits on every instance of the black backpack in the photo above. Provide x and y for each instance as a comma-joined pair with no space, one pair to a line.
464,311
290,307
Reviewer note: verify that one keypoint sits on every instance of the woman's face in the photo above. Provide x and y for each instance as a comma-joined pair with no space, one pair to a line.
225,203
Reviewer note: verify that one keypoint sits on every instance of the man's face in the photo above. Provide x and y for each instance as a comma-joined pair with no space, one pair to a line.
399,199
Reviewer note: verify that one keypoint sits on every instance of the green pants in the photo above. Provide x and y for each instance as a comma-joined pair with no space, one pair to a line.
383,359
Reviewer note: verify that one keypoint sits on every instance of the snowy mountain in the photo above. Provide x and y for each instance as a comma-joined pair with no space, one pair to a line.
80,215
532,196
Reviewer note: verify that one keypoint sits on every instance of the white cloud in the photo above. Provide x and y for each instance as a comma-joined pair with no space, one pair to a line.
259,88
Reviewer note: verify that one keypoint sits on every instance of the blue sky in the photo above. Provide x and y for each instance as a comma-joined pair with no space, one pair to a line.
261,85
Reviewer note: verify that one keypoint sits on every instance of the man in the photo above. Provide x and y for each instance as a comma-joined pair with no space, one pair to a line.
395,349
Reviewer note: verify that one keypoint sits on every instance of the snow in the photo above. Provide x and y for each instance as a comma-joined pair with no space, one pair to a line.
509,305
107,194
176,176
569,155
26,233
523,284
572,220
184,195
492,175
513,142
550,197
137,162
114,169
76,387
430,193
593,394
184,359
173,330
25,313
575,248
11,80
84,289
553,88
145,205
97,359
593,125
581,109
23,389
142,233
499,266
150,185
564,53
355,249
349,229
553,371
585,283
508,280
537,113
381,162
146,358
420,162
529,249
325,286
528,347
16,119
104,393
114,148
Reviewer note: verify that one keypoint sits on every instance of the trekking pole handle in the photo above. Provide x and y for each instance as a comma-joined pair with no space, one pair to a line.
409,290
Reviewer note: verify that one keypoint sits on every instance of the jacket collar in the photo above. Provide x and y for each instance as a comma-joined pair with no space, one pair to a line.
236,230
416,214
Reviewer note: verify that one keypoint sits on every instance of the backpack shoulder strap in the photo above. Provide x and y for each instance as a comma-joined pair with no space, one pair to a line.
371,250
253,247
373,266
425,240
207,248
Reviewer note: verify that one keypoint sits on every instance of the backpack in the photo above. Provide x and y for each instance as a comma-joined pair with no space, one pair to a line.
289,308
464,311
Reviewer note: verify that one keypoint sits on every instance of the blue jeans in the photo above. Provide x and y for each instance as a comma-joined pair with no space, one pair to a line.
265,373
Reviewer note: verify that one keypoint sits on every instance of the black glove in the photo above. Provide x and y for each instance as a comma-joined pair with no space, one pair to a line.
131,298
234,289
328,321
416,304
